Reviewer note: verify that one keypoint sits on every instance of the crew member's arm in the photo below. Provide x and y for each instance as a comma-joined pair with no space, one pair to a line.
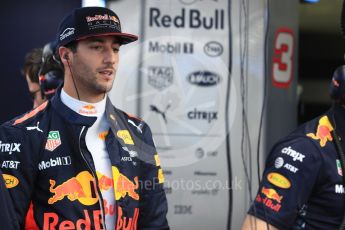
7,216
253,223
17,157
290,175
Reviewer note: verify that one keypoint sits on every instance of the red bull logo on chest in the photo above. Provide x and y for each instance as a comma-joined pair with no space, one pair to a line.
124,186
81,187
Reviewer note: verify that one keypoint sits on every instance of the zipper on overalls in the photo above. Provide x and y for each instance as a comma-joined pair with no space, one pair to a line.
96,179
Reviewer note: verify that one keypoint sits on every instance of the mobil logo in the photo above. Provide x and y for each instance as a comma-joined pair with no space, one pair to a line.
203,78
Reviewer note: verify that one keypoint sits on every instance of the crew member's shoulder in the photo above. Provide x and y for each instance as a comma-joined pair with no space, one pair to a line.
319,131
309,138
30,118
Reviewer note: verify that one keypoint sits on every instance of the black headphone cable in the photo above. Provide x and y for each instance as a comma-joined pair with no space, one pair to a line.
75,86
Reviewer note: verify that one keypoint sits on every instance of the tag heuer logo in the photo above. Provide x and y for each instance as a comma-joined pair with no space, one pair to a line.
160,77
53,140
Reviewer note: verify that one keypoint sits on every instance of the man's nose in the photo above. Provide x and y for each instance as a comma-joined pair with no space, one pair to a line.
110,56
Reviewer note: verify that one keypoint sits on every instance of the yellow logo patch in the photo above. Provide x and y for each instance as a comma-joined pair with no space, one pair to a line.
278,180
160,176
125,136
158,161
10,181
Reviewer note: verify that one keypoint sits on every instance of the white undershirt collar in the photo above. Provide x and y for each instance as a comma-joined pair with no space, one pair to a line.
82,107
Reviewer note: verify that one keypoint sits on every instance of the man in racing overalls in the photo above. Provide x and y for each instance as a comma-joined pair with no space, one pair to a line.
82,162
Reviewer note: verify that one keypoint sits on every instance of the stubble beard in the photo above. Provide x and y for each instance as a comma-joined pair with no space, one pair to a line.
89,81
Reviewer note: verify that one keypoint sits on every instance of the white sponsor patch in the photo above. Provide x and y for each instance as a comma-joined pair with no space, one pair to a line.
291,168
10,164
131,153
35,127
126,159
58,161
139,127
296,156
279,162
339,189
66,33
9,147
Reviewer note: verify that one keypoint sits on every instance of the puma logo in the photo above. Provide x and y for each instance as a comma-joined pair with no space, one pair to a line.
162,113
35,128
139,127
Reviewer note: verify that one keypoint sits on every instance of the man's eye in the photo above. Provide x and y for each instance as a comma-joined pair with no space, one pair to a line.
96,47
116,50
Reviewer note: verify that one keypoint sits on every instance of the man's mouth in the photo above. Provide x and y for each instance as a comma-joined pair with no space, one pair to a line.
107,73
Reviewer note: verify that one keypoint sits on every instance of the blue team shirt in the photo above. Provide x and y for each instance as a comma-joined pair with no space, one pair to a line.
302,184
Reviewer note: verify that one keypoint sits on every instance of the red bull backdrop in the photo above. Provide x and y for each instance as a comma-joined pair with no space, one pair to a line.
198,76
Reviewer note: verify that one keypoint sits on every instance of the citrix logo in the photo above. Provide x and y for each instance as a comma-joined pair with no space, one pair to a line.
293,153
10,147
202,115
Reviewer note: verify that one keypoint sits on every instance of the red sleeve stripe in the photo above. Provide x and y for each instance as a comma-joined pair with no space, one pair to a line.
31,113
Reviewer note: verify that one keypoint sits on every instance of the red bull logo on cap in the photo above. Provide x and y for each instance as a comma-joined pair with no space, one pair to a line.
123,186
323,131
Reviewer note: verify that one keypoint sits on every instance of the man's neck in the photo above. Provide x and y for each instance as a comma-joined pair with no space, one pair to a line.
79,95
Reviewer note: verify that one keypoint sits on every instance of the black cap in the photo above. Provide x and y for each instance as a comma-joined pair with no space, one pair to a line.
88,22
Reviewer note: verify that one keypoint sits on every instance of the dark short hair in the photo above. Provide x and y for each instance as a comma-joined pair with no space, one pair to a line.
32,64
72,46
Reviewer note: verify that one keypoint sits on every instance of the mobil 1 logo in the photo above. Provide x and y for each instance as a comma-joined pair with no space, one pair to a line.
171,47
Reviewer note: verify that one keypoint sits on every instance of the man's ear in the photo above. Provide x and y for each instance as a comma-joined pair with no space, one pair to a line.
64,54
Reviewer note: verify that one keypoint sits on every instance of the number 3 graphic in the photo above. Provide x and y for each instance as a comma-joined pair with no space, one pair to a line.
282,61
